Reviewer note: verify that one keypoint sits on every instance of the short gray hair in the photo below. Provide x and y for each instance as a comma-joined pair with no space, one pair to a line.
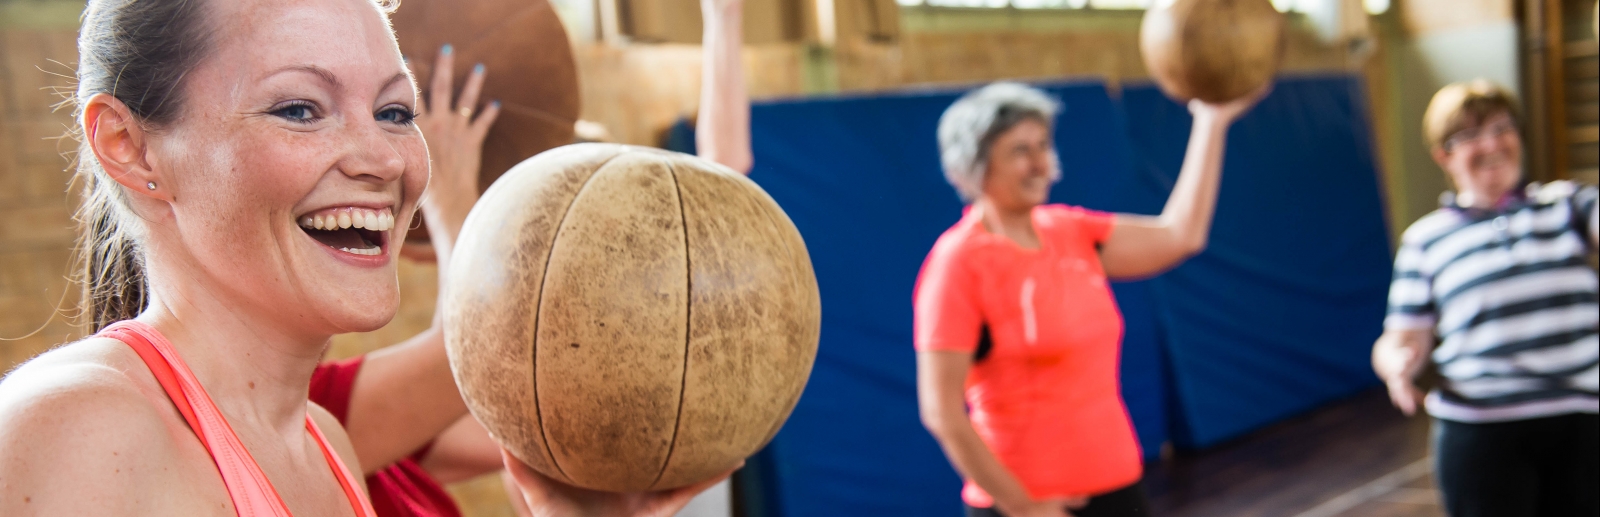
970,124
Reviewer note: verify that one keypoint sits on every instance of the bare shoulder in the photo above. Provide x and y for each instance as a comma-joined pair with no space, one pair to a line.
337,438
82,434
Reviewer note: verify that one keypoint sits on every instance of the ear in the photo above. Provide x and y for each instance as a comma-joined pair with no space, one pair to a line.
119,144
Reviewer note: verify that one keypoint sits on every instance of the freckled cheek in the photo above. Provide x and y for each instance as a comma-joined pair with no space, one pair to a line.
278,173
416,173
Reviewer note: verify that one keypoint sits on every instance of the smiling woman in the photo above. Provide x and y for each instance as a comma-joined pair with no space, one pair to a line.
246,167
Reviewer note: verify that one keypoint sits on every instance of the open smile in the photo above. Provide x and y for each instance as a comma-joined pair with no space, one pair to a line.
352,230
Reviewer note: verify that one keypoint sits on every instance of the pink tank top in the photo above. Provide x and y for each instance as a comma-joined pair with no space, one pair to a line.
248,487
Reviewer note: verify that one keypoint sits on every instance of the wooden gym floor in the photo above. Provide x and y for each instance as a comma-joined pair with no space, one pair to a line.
1354,458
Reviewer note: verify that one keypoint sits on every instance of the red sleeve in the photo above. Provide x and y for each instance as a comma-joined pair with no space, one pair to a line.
946,314
331,384
1093,224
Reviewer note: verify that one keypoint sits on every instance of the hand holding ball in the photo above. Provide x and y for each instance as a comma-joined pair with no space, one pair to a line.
1212,50
626,319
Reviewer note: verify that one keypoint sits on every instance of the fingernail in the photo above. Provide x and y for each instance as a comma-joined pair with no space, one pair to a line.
446,49
495,103
478,68
405,59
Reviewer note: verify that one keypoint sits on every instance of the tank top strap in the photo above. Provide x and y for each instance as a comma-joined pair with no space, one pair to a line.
347,479
248,487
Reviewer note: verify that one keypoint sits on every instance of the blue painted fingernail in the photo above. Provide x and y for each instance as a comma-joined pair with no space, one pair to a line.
477,69
496,103
447,49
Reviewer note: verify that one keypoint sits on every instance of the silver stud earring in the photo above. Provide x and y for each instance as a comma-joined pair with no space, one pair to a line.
150,185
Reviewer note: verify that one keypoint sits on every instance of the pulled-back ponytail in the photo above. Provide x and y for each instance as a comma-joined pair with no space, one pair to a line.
137,51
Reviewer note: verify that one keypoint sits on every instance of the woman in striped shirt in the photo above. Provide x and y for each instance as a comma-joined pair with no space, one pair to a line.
1493,291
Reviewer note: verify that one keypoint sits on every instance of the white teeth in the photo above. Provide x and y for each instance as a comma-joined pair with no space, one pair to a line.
363,251
375,220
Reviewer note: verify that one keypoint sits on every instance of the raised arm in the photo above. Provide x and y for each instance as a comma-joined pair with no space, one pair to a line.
1140,245
405,394
722,132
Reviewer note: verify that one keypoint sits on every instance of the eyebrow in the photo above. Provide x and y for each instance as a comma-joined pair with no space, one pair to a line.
318,71
332,80
397,78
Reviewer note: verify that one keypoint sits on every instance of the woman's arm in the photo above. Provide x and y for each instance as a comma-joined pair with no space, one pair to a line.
723,127
941,377
462,452
405,394
1140,245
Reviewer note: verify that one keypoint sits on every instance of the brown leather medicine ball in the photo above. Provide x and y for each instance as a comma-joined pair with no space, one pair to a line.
1212,50
625,319
530,66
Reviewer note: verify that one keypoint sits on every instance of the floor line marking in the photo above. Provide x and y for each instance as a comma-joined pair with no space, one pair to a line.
1371,490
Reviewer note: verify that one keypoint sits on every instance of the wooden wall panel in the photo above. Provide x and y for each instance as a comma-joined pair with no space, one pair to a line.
36,229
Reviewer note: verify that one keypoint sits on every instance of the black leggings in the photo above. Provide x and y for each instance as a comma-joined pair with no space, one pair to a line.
1540,467
1128,501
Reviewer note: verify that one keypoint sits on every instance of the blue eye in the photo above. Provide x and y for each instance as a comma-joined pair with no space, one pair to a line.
396,114
298,112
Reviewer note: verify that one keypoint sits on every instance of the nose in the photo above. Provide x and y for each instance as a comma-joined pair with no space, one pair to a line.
371,154
1041,160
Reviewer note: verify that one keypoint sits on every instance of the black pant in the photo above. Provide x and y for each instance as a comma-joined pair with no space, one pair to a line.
1128,501
1540,467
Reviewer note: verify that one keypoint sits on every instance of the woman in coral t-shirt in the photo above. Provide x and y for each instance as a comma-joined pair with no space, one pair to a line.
1017,332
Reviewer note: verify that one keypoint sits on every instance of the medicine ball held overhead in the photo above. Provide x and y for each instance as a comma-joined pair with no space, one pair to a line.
1212,50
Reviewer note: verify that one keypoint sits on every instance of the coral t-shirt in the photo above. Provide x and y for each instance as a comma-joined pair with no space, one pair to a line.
1045,398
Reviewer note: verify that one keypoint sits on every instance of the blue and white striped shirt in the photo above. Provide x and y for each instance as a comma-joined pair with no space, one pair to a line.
1512,301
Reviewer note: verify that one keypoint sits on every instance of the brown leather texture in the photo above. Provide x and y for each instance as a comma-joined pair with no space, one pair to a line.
625,319
530,70
1212,50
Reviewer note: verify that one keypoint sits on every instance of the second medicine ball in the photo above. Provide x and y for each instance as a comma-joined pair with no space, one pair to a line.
1212,50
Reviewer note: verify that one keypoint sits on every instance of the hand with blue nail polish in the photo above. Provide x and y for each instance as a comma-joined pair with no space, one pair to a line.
454,129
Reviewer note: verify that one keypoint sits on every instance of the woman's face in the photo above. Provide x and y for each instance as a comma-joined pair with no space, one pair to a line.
299,118
1484,161
1021,166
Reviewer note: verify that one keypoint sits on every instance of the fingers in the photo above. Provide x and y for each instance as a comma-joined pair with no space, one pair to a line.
1412,361
523,477
519,471
469,93
480,125
439,87
1260,93
1404,396
702,486
677,498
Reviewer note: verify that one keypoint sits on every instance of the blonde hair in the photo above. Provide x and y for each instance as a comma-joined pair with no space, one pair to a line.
1465,105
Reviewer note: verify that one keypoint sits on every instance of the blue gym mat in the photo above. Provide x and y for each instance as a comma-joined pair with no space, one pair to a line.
1276,317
